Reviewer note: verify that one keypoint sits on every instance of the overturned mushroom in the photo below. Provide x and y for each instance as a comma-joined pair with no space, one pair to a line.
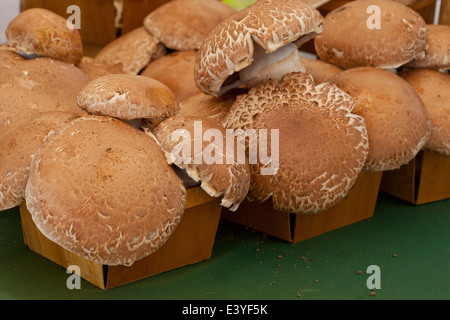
205,156
18,143
255,44
183,24
317,147
137,99
398,123
103,190
433,87
133,51
43,33
351,39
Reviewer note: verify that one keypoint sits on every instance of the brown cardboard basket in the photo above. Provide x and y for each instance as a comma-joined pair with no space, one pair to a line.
192,242
101,21
357,206
425,179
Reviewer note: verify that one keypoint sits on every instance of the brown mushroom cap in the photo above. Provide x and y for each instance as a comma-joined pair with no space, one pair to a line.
210,107
348,42
133,50
31,86
437,54
254,33
96,68
322,145
219,176
41,32
433,87
184,24
398,124
102,189
175,70
128,97
18,143
320,70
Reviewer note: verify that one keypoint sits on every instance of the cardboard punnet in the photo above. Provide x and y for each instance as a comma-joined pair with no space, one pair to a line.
358,205
191,242
425,179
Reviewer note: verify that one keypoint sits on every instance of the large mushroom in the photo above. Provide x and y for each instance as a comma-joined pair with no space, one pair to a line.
320,70
140,100
255,44
398,123
133,51
204,155
437,53
175,70
317,146
182,25
433,87
28,87
349,39
18,143
103,190
40,32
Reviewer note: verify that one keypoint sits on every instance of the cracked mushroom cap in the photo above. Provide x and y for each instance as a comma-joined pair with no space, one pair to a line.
28,87
133,51
255,44
175,70
103,190
18,143
437,54
221,172
397,121
348,42
321,145
43,33
433,87
128,97
183,24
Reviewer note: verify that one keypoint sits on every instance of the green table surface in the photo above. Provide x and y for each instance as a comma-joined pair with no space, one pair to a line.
410,244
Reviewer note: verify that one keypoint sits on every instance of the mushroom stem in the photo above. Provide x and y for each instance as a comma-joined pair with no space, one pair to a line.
272,65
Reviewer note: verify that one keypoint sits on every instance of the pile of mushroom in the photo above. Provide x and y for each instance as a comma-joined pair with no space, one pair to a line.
92,144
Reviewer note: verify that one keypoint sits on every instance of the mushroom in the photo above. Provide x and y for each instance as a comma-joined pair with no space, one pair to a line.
437,54
255,44
40,32
97,68
133,51
317,146
433,87
210,107
43,84
136,99
102,190
204,155
183,24
350,40
18,143
397,121
320,70
175,70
